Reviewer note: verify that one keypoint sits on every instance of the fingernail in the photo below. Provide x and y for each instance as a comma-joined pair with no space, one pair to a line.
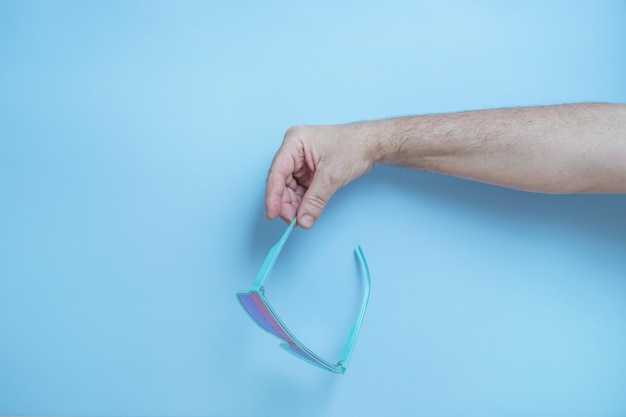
306,221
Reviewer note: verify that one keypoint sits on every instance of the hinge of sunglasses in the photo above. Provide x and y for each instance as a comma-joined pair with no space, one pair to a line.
340,363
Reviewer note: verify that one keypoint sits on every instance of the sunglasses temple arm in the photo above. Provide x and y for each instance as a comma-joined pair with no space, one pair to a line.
271,257
348,346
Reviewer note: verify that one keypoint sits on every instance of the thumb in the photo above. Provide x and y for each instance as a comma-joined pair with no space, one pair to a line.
315,199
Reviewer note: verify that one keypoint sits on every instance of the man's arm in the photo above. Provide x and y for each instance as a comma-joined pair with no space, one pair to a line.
574,148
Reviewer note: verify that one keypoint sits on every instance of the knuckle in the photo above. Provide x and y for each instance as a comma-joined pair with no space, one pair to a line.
293,133
317,202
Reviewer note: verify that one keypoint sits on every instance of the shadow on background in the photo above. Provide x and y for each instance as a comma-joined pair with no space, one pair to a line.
592,215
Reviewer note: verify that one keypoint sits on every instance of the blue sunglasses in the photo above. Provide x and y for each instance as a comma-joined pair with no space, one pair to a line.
261,312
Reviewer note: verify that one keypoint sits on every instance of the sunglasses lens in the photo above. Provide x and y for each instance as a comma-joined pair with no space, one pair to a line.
320,363
262,315
259,313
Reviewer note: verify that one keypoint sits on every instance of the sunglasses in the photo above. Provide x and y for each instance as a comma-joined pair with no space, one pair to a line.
261,312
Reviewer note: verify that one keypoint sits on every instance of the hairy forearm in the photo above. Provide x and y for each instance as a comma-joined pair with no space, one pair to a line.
574,148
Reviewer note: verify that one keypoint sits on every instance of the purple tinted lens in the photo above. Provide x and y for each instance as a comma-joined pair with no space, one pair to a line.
297,351
262,315
254,310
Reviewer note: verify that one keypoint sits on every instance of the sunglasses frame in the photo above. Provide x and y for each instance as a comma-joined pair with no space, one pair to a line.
255,298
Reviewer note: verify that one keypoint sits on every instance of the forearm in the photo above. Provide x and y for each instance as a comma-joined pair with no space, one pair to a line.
573,148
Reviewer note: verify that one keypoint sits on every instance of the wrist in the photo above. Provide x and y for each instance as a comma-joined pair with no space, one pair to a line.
369,140
396,141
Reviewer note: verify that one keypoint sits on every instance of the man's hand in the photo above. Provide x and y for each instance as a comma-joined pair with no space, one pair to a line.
310,166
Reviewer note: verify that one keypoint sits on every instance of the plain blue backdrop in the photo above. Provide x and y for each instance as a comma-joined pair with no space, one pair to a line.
134,142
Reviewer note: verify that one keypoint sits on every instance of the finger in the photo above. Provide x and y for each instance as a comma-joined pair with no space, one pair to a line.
274,191
315,199
281,171
291,200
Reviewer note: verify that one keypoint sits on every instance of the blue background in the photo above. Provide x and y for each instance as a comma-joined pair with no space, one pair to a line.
134,142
